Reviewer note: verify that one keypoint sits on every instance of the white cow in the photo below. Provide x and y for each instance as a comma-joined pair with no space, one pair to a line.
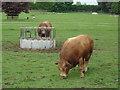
94,13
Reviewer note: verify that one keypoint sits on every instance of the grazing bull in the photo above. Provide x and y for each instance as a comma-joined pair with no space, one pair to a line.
43,32
75,51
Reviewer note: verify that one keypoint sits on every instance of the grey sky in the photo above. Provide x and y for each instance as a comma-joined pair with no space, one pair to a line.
87,2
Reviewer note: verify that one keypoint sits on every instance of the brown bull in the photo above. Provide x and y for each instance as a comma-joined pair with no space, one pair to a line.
43,32
75,51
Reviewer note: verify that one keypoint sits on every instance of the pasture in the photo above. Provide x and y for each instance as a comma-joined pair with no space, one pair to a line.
36,68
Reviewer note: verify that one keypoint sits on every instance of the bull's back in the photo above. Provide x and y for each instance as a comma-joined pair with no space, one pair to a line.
76,47
46,24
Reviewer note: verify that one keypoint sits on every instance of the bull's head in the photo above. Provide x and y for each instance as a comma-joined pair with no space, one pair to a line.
43,32
64,67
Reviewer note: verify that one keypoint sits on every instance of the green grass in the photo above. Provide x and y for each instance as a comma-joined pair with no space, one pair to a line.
36,69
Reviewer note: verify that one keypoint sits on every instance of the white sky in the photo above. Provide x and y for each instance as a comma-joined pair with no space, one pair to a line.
87,2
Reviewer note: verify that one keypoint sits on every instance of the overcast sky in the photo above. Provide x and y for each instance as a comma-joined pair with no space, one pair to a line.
88,2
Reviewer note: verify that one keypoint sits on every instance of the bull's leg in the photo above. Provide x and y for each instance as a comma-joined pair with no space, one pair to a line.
85,66
81,67
86,62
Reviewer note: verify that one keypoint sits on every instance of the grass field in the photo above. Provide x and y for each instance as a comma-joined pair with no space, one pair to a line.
36,69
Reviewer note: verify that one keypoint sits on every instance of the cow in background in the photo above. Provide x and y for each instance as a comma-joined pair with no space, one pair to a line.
43,32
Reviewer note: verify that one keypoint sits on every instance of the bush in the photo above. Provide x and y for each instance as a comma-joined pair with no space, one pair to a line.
14,8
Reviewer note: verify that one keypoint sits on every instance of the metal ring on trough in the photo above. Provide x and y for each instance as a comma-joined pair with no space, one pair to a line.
31,39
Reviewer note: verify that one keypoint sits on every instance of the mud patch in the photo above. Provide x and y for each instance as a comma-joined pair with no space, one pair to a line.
96,39
109,64
23,55
98,49
8,83
52,50
10,46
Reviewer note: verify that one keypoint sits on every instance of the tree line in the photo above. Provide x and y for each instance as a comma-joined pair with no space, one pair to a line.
105,7
15,8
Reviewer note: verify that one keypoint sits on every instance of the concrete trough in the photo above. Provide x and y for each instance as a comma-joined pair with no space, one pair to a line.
32,41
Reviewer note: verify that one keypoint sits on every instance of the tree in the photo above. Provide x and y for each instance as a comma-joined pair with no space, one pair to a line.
14,8
41,5
0,4
110,7
103,7
115,7
78,3
61,7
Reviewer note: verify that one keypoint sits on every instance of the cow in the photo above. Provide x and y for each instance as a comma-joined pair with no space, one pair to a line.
94,13
75,51
43,32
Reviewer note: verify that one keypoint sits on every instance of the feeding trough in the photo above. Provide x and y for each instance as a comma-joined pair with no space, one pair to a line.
30,39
